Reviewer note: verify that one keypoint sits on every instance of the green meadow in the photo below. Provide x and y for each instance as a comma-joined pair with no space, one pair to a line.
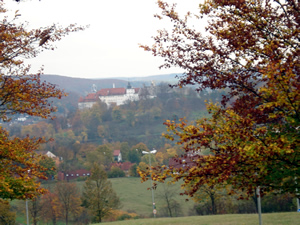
136,197
291,218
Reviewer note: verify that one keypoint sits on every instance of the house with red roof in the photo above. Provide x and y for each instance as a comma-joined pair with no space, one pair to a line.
117,155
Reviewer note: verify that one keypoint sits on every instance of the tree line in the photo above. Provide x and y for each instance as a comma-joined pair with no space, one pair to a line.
66,202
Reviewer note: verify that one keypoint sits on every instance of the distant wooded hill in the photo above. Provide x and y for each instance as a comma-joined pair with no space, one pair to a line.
82,86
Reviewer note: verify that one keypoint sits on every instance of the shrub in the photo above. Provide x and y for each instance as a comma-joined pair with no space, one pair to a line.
115,172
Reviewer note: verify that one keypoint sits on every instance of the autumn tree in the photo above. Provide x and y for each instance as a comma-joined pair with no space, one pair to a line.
77,124
92,118
140,147
133,171
210,195
159,157
115,172
68,196
65,138
7,217
251,49
49,167
133,156
39,129
51,207
116,114
23,93
35,209
98,195
106,154
145,158
124,148
143,166
167,196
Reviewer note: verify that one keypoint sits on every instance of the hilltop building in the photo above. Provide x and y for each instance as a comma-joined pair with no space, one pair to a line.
118,96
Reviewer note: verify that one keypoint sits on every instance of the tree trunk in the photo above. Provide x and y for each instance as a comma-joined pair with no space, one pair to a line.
254,198
67,219
54,220
53,215
169,206
213,204
34,212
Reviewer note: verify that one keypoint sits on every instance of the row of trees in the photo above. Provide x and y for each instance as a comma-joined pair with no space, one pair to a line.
65,202
212,200
215,200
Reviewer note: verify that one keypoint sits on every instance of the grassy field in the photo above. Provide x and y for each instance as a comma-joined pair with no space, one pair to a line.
236,219
136,198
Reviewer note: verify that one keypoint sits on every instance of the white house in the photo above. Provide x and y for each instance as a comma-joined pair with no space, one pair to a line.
117,155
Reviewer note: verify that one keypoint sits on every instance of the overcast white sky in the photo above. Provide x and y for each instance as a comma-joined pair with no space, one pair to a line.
109,47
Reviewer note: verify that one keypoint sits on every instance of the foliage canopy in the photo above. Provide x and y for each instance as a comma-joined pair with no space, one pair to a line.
98,195
23,93
251,49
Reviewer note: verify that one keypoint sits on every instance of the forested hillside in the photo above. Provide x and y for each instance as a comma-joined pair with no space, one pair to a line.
78,133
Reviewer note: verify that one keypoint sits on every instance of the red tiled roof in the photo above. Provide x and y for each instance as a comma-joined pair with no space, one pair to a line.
125,166
92,97
116,152
111,91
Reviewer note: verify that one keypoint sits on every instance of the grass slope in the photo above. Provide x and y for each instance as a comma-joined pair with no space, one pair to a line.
135,196
236,219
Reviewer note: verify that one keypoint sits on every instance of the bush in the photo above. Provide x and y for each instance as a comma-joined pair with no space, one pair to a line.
7,217
230,205
278,203
133,171
115,172
124,217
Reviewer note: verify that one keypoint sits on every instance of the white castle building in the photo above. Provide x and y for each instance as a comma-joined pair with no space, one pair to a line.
110,96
